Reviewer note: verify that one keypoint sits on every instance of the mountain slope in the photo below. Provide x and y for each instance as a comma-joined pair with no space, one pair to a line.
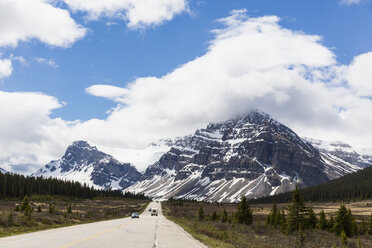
342,151
251,155
84,163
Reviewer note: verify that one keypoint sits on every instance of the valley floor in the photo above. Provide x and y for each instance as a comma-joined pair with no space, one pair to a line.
219,234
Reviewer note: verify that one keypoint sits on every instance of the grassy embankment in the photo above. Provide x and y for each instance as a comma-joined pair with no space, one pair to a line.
82,211
229,234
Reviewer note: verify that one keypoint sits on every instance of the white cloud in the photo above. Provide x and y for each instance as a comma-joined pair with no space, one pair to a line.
350,2
5,68
138,13
108,91
29,137
49,62
23,20
359,74
251,63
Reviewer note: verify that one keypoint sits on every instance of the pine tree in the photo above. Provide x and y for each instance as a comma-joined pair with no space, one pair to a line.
214,216
343,221
296,213
201,213
272,217
27,212
69,209
39,208
51,208
10,218
244,214
312,220
224,216
322,223
25,203
283,222
331,224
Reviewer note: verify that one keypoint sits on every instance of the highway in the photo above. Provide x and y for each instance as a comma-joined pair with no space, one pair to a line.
146,232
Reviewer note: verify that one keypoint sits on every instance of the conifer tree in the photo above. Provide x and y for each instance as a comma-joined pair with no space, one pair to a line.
272,217
244,214
312,220
10,218
25,203
323,223
283,222
201,213
69,209
214,216
331,224
39,208
296,213
27,212
51,208
343,221
224,216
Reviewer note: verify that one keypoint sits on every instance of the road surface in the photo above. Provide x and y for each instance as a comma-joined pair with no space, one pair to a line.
145,232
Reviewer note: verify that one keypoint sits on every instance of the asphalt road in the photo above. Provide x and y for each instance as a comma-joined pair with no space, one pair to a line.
145,232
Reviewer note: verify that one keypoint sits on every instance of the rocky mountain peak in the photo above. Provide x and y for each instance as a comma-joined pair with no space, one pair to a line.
85,163
252,155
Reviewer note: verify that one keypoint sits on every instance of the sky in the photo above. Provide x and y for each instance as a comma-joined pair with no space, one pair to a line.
124,73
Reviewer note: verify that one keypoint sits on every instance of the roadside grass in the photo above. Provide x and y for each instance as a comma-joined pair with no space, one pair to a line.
216,234
83,211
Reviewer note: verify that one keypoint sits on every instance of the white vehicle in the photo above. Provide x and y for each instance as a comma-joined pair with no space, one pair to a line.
154,211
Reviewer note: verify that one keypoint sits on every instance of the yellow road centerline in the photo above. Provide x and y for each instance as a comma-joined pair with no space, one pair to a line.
90,237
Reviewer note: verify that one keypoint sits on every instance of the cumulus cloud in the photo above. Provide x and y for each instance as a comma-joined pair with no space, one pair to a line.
359,74
23,20
29,136
5,68
251,63
138,13
114,93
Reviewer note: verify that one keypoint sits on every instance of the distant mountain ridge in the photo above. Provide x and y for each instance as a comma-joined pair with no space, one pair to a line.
252,155
342,151
86,164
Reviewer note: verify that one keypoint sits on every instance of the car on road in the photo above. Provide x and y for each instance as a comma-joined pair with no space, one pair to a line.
135,215
154,211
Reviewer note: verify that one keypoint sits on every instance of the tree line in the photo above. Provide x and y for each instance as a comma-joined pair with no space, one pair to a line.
18,186
356,186
301,217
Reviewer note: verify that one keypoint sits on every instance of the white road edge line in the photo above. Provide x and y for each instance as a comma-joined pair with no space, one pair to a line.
156,235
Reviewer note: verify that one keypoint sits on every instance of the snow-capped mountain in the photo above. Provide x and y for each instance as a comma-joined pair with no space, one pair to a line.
86,164
2,170
252,155
342,152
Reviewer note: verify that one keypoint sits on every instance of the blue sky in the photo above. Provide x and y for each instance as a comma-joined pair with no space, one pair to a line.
116,55
123,73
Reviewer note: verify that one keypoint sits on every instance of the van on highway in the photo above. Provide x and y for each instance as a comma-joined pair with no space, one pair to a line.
154,211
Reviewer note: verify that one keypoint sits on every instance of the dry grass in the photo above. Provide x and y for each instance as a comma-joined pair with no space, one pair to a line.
217,234
83,211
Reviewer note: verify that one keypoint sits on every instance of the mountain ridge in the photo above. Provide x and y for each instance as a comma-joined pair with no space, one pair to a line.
86,164
252,155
